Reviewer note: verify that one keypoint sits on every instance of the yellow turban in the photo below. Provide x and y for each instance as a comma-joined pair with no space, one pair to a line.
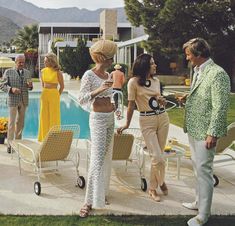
103,50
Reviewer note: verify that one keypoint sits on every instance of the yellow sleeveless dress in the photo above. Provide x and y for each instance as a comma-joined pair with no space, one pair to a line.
49,103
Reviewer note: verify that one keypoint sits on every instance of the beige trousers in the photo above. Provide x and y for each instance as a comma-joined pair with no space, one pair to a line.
16,122
154,129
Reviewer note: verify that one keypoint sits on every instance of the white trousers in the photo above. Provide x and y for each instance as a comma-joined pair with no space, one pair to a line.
102,130
202,160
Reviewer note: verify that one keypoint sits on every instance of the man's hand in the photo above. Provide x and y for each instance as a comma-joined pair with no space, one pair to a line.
15,90
210,142
182,99
29,84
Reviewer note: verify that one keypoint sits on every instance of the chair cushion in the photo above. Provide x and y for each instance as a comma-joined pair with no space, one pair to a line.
56,145
225,142
122,146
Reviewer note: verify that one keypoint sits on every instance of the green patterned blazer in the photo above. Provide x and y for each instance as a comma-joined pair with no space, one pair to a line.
207,104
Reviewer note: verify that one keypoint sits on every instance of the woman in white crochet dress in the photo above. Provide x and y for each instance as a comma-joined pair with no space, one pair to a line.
95,96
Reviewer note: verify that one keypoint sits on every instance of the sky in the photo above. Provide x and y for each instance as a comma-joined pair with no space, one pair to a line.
88,4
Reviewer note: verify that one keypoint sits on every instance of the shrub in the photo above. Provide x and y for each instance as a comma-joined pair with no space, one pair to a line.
75,61
3,125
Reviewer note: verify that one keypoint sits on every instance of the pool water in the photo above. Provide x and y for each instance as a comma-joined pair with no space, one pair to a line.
71,113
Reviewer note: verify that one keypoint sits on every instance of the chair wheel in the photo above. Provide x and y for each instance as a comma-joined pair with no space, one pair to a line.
216,180
37,188
81,182
143,184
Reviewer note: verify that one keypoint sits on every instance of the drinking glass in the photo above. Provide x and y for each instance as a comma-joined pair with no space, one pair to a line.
178,97
29,83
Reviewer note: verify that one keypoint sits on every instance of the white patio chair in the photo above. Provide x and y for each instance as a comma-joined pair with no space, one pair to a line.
60,144
222,148
124,149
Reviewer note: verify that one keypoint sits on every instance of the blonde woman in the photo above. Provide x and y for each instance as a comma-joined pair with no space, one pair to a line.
95,96
53,85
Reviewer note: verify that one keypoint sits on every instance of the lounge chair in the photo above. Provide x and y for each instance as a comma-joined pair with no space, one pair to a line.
122,146
60,144
222,147
227,141
124,149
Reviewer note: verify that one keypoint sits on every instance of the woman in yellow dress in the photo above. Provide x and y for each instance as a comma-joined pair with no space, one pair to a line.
51,78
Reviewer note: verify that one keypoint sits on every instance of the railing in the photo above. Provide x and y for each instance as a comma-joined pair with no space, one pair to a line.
117,99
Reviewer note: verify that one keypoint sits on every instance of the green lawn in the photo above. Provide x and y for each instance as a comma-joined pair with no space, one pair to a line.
109,220
35,79
177,114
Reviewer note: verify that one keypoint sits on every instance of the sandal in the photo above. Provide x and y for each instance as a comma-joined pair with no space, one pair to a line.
164,188
153,194
85,211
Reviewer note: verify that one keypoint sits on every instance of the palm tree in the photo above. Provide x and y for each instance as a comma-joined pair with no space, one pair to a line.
27,38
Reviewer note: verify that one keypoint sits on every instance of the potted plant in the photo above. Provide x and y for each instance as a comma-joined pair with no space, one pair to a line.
3,129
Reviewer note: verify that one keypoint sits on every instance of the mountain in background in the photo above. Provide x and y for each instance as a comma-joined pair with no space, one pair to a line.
14,14
71,14
17,18
7,29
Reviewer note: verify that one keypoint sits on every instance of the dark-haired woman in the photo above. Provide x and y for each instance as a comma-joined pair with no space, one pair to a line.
144,90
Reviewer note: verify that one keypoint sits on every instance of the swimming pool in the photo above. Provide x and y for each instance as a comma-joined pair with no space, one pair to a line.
71,113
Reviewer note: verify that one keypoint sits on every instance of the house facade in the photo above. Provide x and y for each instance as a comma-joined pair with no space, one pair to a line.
106,28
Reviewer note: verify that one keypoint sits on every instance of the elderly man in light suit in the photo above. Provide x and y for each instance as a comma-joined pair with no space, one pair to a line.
16,82
205,121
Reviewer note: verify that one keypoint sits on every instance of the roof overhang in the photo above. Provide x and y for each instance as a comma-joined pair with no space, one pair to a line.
133,41
72,44
74,27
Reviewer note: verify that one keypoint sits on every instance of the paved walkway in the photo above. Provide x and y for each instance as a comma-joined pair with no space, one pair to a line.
60,196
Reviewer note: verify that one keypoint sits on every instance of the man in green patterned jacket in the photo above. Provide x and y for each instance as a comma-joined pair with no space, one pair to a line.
205,121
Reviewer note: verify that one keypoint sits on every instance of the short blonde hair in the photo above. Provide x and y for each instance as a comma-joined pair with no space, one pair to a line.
103,50
198,47
52,61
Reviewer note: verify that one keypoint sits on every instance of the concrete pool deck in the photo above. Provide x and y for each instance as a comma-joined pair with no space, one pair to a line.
60,196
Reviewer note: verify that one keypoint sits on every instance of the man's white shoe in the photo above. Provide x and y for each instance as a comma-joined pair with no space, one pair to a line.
197,221
190,205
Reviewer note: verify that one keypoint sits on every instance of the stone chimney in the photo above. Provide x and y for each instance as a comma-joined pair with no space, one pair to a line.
108,24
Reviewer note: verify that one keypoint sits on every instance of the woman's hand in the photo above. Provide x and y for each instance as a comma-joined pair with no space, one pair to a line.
120,129
106,85
161,101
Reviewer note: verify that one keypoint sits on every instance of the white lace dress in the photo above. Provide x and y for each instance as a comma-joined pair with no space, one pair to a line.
101,129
